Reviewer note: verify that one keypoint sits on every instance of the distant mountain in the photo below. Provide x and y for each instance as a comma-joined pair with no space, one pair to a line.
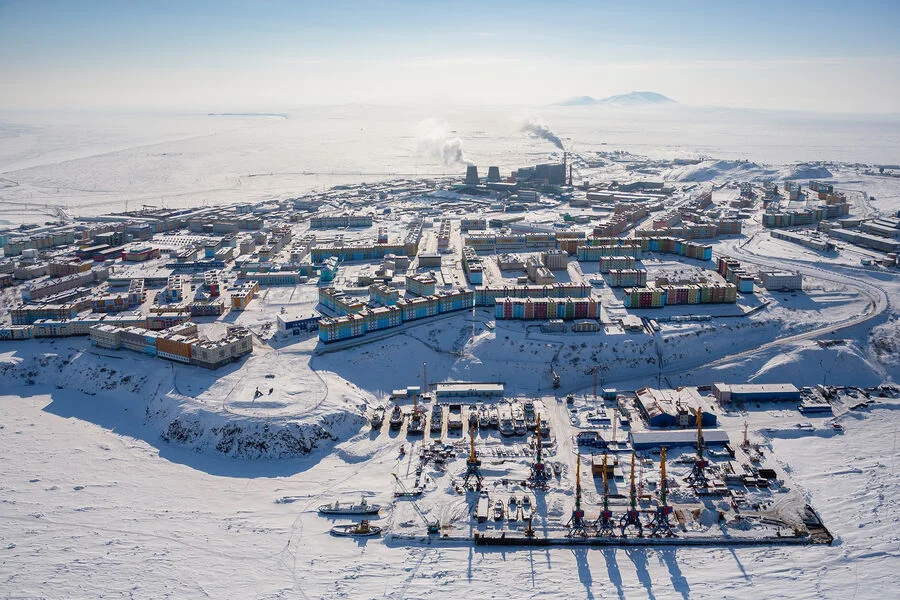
630,99
579,101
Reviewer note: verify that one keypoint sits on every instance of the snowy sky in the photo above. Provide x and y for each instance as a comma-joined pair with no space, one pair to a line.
272,54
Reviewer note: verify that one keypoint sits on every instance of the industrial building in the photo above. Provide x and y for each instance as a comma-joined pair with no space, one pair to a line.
674,407
456,390
866,240
816,243
748,392
552,173
647,440
139,253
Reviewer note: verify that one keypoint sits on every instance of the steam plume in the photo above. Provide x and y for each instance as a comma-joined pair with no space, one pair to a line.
436,142
536,127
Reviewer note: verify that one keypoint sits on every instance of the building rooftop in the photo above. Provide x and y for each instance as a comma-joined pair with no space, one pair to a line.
468,387
759,388
675,437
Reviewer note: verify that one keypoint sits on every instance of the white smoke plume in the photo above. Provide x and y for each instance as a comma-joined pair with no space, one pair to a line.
533,125
437,142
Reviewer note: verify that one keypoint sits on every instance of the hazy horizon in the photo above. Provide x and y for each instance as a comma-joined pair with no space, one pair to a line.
267,55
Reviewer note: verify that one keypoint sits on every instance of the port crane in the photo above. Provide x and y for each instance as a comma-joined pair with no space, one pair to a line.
473,463
659,525
604,522
632,517
698,477
431,526
576,522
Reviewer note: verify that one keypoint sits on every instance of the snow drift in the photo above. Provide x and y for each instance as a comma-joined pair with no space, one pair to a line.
743,170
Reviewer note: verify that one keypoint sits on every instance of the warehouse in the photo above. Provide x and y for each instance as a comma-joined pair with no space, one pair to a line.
466,389
674,408
646,440
747,392
866,240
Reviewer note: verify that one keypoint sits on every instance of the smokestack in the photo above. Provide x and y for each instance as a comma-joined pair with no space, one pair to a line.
471,175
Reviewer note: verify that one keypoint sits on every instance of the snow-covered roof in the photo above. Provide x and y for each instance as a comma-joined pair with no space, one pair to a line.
677,437
449,388
761,388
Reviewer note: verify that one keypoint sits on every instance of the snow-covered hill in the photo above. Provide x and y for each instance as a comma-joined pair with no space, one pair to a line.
622,100
743,170
213,412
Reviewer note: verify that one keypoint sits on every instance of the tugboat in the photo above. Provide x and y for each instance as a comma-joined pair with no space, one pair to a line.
530,416
482,508
454,417
377,417
518,416
498,510
437,418
545,425
484,416
513,510
363,508
473,416
361,529
416,423
396,418
507,427
526,507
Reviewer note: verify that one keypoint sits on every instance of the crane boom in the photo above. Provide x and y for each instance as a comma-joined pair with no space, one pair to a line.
431,526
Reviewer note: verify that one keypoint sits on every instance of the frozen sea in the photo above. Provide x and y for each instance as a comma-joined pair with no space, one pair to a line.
92,162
